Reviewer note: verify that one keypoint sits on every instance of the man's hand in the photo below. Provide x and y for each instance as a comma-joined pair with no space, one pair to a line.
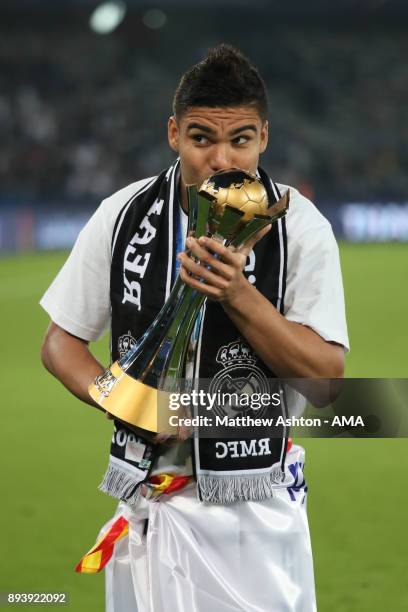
289,349
219,272
183,433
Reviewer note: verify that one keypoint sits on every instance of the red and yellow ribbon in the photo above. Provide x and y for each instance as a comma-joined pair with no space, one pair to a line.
96,558
167,483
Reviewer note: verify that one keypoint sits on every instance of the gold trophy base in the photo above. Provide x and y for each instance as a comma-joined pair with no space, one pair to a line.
130,400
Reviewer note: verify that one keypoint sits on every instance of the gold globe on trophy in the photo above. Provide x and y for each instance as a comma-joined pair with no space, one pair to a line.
246,194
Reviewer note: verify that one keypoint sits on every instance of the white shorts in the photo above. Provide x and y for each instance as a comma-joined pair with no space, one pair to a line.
200,557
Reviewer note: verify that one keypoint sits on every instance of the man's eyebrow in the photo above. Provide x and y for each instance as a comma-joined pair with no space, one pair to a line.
243,128
234,132
199,126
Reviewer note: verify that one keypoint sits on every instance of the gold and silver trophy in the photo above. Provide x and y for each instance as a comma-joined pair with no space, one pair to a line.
231,206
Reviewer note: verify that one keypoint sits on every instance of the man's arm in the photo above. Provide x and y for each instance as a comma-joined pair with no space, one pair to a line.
290,349
69,359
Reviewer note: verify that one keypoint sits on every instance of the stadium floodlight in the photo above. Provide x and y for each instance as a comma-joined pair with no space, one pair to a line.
107,16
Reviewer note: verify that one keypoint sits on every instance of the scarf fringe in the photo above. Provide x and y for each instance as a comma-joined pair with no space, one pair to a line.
121,485
218,489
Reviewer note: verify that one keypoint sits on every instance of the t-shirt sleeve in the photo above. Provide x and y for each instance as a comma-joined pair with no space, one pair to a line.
314,290
78,298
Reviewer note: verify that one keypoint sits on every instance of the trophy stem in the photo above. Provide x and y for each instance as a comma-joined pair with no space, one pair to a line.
174,367
157,328
156,369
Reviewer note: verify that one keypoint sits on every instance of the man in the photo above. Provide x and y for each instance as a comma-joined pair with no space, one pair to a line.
187,552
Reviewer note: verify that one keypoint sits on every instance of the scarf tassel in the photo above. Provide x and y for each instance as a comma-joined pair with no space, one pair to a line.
121,485
227,489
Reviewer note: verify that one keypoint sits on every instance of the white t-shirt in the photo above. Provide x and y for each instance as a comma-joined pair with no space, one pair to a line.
78,300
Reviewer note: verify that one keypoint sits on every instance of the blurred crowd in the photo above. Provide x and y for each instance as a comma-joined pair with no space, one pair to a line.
82,115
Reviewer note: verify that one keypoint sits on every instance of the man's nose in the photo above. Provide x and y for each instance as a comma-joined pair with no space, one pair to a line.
220,158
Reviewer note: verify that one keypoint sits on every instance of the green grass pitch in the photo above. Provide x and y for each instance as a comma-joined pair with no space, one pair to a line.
54,451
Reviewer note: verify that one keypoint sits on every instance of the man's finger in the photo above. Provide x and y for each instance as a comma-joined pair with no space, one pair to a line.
226,254
208,290
246,248
161,438
201,252
202,272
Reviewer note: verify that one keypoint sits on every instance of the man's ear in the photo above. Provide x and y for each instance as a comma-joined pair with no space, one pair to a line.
264,137
173,133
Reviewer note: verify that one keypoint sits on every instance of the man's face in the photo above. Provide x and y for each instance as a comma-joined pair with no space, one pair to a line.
212,139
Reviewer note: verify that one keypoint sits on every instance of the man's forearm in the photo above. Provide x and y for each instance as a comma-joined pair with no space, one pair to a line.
69,359
289,349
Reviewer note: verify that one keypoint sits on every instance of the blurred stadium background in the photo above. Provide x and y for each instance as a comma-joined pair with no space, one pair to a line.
84,101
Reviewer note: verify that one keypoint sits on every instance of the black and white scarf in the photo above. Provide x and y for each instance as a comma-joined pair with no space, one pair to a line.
143,270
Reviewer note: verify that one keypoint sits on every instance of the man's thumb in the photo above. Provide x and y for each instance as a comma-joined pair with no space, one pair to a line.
248,246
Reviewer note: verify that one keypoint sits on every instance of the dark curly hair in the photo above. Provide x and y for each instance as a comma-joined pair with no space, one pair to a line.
224,78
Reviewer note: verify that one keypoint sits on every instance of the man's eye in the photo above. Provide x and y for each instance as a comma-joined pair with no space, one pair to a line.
240,140
200,138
